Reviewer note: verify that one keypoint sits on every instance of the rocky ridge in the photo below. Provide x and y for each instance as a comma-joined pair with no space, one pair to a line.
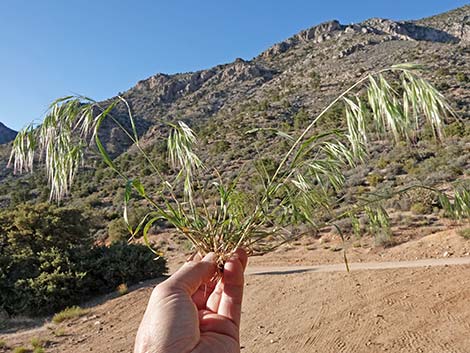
6,134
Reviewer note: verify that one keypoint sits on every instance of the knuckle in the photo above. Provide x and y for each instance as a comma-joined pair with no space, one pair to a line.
161,290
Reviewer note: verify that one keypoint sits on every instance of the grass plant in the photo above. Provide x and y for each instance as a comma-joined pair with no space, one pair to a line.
20,350
37,342
122,289
68,313
395,102
464,233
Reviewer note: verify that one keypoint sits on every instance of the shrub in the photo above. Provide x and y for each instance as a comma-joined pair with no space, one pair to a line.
456,128
462,77
117,228
3,344
300,118
420,208
122,289
442,71
107,267
382,163
221,146
48,261
384,239
315,79
374,179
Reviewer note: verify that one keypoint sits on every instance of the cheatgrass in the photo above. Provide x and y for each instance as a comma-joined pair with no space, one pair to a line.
122,289
60,332
37,342
221,216
69,313
464,233
20,349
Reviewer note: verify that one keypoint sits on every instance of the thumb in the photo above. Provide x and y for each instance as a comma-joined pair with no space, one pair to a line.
193,274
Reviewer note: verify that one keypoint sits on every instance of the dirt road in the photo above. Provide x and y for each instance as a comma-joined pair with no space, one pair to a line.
410,306
273,270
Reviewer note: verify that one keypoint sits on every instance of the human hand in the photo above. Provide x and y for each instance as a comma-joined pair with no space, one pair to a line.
188,313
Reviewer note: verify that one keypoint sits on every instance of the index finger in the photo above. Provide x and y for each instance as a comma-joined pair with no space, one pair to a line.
193,274
231,298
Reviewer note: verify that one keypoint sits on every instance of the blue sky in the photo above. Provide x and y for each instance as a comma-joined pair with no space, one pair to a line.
52,48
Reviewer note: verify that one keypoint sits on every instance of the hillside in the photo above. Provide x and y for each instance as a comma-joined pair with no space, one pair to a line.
284,87
6,134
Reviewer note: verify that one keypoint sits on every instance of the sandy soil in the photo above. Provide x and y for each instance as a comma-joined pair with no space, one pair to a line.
421,309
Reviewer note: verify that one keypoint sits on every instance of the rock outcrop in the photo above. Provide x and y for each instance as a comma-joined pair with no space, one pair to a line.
169,88
454,31
455,22
317,34
407,31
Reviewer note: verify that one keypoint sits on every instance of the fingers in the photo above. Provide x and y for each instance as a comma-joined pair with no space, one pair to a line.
226,300
214,299
202,294
230,304
193,274
242,256
211,322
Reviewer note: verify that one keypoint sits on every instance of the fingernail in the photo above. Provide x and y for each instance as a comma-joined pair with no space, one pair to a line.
235,256
210,257
191,258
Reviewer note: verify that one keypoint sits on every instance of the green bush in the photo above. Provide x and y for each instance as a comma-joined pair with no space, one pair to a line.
457,128
462,77
117,228
48,261
422,200
301,118
221,146
374,179
420,208
315,80
108,267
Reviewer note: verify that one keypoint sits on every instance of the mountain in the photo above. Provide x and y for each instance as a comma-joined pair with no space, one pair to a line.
303,72
283,87
6,134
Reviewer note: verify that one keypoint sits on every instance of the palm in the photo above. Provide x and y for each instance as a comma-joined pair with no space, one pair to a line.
215,342
188,316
